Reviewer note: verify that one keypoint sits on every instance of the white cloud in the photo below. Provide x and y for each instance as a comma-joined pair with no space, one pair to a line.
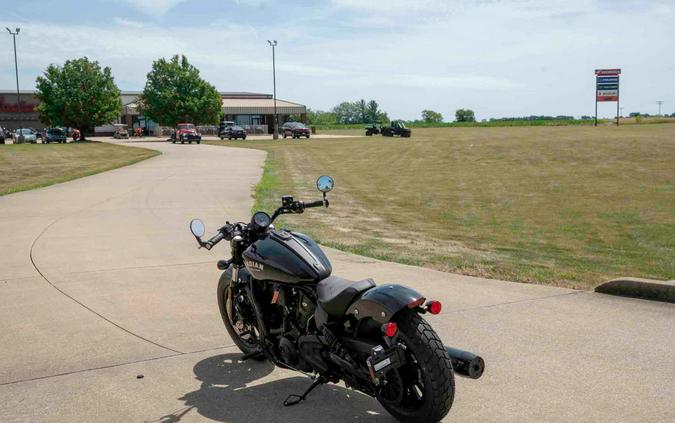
501,58
154,7
127,23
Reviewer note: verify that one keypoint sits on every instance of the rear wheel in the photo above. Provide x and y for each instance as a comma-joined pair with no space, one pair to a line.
423,389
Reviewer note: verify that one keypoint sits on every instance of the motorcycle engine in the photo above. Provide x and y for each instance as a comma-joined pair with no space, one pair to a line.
289,353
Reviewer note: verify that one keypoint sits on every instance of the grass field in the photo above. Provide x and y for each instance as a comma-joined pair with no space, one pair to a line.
29,166
567,206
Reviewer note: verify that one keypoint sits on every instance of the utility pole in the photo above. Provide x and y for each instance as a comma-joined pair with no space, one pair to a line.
16,70
660,102
273,44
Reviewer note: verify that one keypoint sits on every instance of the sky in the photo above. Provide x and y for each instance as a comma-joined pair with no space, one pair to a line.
498,58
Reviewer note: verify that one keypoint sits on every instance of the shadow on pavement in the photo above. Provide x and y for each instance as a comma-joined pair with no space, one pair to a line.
233,391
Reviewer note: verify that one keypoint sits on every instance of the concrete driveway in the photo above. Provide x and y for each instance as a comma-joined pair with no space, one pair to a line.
100,282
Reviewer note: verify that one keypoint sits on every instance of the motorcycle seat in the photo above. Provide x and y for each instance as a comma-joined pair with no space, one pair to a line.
336,294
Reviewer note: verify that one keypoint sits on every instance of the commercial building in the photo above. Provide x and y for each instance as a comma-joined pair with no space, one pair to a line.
253,111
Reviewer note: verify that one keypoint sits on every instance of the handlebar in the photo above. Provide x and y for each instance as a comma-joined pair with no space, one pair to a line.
214,240
317,203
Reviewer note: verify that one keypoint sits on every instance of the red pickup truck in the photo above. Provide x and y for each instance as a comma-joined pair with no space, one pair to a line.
186,132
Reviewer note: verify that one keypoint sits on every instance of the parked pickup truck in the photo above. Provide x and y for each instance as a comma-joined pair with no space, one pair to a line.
186,132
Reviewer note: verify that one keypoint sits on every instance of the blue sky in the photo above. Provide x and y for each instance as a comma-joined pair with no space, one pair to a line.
499,58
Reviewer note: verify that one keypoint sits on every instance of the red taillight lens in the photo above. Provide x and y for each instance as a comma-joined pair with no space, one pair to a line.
434,307
389,329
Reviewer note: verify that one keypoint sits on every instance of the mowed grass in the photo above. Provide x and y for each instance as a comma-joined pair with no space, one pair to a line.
29,166
566,206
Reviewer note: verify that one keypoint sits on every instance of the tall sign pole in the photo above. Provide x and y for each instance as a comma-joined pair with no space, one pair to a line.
16,71
607,89
275,135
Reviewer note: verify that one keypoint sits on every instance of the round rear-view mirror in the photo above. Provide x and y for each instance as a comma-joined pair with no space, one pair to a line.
325,183
197,228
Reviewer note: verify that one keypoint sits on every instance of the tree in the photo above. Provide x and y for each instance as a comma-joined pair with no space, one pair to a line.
174,92
346,112
429,116
359,112
319,117
465,115
80,95
363,116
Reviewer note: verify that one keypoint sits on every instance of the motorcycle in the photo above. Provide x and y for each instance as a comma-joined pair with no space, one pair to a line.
280,302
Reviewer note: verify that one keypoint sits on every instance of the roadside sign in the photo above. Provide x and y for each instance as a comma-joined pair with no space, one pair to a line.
608,71
607,89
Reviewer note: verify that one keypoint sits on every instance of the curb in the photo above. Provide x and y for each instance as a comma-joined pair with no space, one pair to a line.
649,289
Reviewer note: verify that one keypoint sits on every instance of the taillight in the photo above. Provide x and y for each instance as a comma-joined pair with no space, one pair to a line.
389,329
434,307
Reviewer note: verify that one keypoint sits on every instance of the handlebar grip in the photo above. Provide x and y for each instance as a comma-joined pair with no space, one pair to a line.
213,241
317,203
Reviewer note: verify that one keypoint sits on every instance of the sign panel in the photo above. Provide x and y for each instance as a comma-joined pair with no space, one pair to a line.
607,89
605,93
608,71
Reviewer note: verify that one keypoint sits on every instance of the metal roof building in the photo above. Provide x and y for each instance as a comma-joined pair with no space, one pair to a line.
253,111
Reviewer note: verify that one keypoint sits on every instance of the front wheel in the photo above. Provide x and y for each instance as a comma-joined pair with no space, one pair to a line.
423,389
238,317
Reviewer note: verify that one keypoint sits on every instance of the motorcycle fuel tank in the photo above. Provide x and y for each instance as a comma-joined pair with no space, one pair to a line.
289,257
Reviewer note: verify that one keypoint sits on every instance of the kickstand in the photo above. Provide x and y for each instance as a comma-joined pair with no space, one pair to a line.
296,399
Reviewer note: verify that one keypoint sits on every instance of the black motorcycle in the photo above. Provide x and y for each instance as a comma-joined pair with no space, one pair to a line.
279,302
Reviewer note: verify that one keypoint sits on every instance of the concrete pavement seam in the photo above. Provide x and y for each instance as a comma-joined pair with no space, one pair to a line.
149,266
512,302
32,260
112,366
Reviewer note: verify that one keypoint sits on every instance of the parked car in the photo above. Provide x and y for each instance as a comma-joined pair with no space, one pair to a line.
294,129
186,132
28,134
121,131
54,135
223,127
233,132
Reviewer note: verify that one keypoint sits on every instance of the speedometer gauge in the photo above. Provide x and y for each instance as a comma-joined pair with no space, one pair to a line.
261,220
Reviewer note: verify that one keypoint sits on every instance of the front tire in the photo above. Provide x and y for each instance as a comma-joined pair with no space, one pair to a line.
245,343
427,382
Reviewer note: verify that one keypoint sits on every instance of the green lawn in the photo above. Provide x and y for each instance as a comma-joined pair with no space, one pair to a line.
29,166
567,206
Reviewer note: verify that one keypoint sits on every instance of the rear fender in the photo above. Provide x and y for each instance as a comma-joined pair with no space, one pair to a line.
383,302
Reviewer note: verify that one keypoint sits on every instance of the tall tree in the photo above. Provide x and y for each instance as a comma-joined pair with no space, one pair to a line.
361,105
80,95
346,112
465,115
430,116
174,92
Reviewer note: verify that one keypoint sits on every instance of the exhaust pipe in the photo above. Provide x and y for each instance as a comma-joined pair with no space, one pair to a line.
465,363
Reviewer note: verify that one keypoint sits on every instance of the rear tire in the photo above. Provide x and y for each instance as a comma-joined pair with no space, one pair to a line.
433,370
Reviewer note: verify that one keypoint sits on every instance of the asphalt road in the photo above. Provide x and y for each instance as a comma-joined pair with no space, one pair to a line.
100,282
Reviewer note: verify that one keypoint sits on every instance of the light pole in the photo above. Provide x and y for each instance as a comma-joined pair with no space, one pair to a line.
660,102
16,70
275,135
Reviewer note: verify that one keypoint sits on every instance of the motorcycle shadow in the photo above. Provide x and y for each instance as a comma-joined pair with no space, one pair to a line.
234,391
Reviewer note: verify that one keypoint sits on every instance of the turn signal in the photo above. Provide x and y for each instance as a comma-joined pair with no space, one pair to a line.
389,329
434,307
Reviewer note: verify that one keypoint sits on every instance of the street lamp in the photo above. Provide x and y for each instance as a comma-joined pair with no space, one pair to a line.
16,70
273,44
